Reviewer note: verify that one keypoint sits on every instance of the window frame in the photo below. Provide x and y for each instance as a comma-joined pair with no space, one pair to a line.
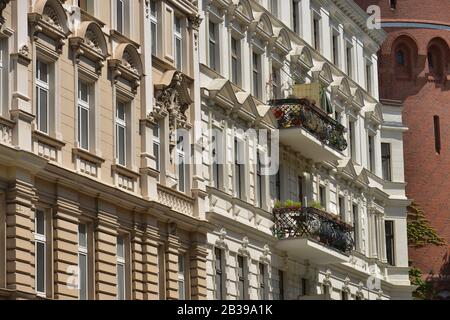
390,238
181,277
84,106
236,60
44,86
40,238
120,27
386,158
219,273
213,46
83,251
122,261
181,163
156,145
257,74
241,277
262,285
154,17
122,124
178,36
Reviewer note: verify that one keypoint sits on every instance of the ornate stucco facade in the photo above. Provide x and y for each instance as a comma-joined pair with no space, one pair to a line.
110,115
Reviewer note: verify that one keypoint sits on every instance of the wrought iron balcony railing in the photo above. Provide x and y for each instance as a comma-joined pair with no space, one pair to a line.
301,113
314,224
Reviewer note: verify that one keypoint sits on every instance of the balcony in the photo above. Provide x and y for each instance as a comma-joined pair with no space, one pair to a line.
312,234
309,130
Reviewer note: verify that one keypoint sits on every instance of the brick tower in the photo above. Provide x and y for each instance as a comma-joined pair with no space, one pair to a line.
415,70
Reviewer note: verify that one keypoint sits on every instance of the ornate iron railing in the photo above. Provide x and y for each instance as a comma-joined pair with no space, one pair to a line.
291,113
315,224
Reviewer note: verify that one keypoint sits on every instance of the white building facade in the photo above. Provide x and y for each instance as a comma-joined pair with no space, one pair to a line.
341,162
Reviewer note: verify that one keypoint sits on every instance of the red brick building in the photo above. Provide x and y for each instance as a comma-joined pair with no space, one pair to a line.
415,69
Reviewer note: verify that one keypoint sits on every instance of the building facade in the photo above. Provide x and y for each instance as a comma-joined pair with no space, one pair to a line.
349,231
141,142
414,71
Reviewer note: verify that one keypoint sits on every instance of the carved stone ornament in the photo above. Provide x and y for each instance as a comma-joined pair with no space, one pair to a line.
173,100
3,4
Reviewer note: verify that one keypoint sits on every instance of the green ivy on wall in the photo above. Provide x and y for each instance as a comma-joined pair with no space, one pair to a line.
421,234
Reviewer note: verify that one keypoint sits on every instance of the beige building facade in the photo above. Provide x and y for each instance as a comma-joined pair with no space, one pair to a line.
84,211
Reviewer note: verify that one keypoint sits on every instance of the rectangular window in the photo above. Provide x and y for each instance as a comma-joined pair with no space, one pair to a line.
437,134
316,33
259,181
238,167
178,43
355,226
335,43
352,138
274,7
121,267
213,46
120,16
262,281
323,196
181,278
219,274
236,61
257,75
216,155
276,83
305,286
154,26
87,5
342,208
344,295
83,286
369,77
349,60
121,133
301,194
281,284
3,76
181,164
386,161
242,284
390,244
295,16
40,243
278,185
42,96
83,114
157,146
371,154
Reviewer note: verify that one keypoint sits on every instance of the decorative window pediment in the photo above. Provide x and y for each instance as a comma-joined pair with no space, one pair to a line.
49,18
322,72
341,89
374,114
358,98
304,56
282,42
242,11
89,42
127,64
262,26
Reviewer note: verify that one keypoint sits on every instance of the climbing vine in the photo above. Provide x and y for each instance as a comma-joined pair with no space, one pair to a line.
421,234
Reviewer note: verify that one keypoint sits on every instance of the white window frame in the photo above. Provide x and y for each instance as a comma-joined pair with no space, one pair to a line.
274,8
157,145
40,238
257,74
262,284
122,261
236,56
120,28
349,62
178,36
154,24
181,159
182,276
276,83
42,86
368,66
3,84
83,251
84,106
121,123
214,43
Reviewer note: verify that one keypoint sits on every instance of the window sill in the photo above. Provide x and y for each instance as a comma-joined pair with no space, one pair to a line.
87,155
45,138
117,168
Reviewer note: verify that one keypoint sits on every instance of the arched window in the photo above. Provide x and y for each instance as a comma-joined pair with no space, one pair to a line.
401,58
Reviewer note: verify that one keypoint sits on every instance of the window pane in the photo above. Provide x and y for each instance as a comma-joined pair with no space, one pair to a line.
121,145
82,262
82,235
40,222
120,282
120,247
181,290
40,267
181,174
120,112
154,38
181,265
120,16
83,129
83,91
156,152
178,54
43,110
42,72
